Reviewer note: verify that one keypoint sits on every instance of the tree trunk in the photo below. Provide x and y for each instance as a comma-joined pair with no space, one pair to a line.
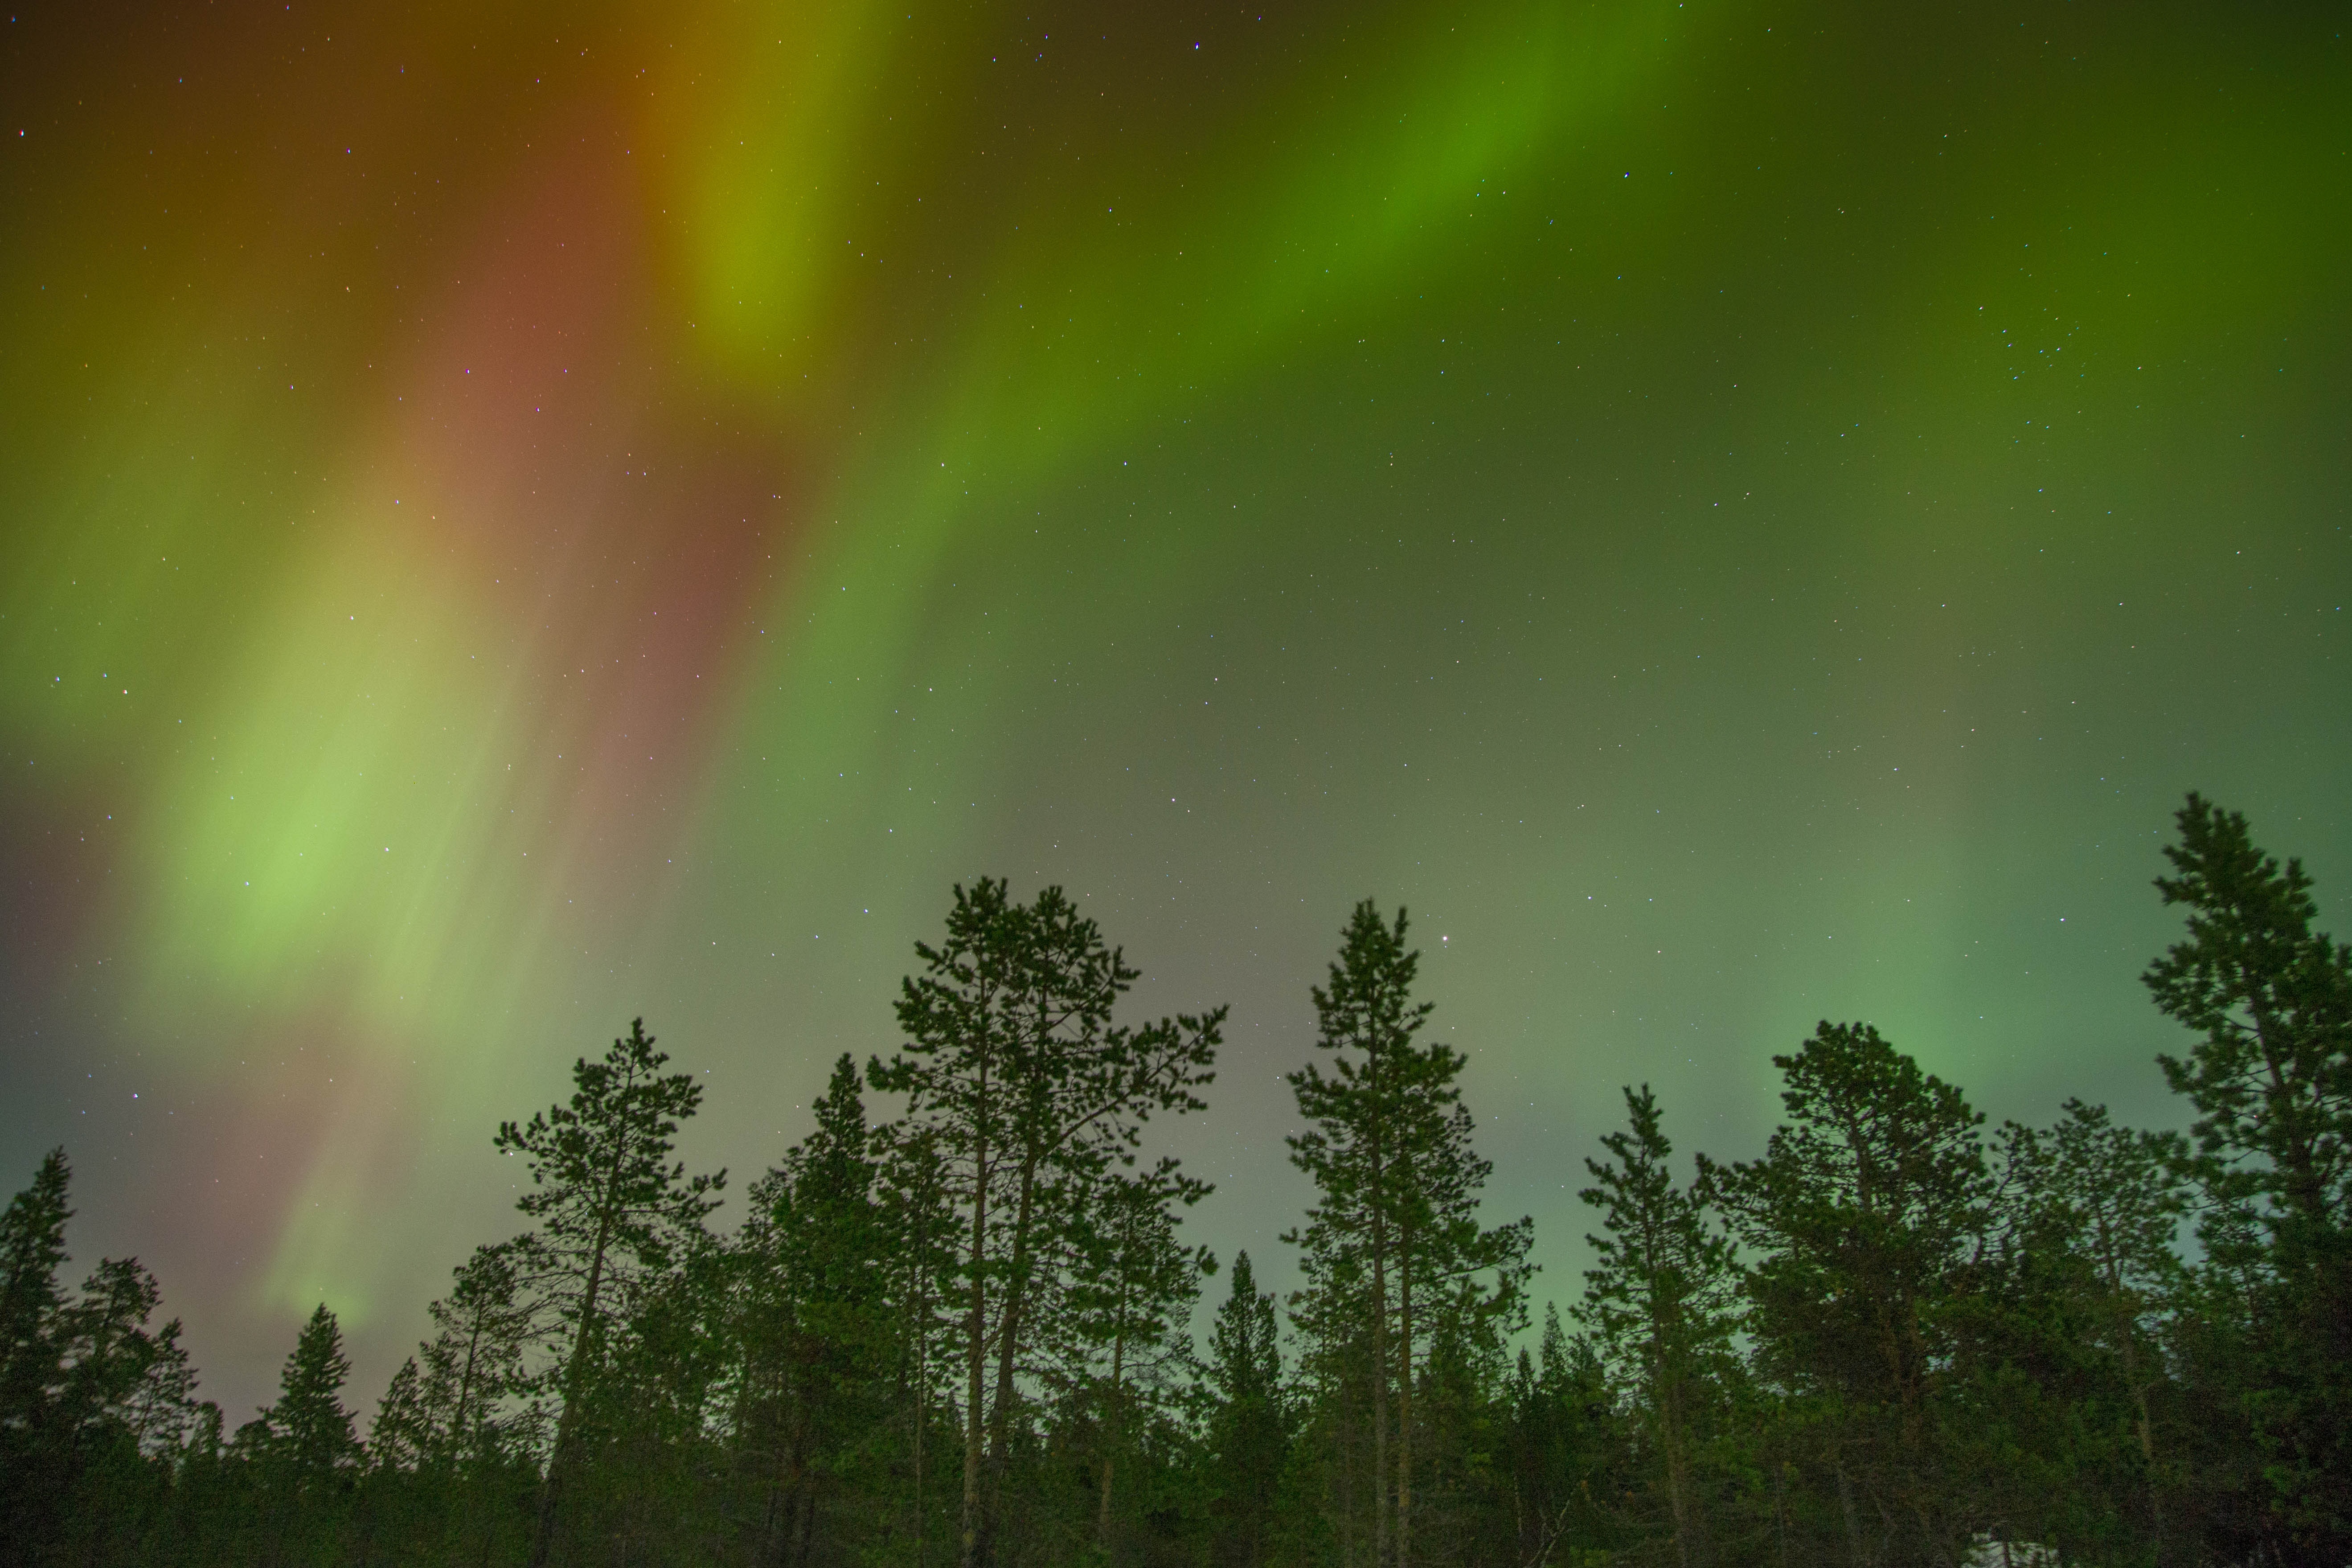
976,1319
1380,1394
922,1304
1008,1342
975,1356
1672,1443
1853,1526
567,1424
2129,1354
1404,1400
808,1521
1110,1422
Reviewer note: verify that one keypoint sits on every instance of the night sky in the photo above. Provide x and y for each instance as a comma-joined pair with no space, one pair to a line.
517,516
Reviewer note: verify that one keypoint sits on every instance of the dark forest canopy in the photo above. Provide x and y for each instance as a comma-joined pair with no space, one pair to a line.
974,1337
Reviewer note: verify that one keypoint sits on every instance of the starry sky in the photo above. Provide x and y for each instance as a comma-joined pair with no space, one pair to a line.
513,517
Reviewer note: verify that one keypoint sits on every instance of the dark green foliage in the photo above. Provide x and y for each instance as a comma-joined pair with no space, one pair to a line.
613,1212
91,1398
1570,1459
1247,1437
32,1304
1026,1092
2270,1078
2083,1289
968,1333
307,1434
1402,1280
1861,1217
32,1249
453,1452
1659,1304
302,1451
813,1397
1131,1287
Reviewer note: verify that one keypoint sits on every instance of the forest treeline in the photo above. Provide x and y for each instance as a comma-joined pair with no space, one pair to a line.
966,1337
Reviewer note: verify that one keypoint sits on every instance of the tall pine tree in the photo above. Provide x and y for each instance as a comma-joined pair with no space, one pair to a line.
1393,1232
610,1207
1024,1088
2270,1078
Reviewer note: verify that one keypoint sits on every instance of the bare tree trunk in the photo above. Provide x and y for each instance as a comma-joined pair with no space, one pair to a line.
1846,1506
2148,1457
1404,1400
567,1424
1110,1422
1678,1455
1380,1380
808,1521
1373,1055
1008,1344
921,1294
975,1351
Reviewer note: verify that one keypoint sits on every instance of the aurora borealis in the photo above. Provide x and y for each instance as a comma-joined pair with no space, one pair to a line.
513,518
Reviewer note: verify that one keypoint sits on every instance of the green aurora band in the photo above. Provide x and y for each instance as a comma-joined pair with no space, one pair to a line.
518,517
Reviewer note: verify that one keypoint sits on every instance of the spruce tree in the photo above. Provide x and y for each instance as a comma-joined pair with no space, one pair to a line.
311,1434
1248,1435
92,1401
32,1249
815,1325
303,1445
32,1355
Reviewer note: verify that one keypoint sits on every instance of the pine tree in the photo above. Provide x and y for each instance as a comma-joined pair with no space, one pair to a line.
611,1208
1132,1287
473,1366
1861,1215
1659,1299
1459,1287
2110,1198
1013,1066
1568,1461
2270,1078
1397,1181
646,1484
454,1436
1352,1150
918,1224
